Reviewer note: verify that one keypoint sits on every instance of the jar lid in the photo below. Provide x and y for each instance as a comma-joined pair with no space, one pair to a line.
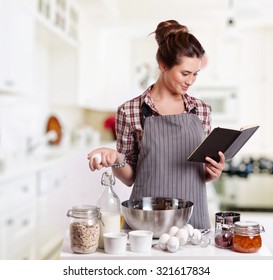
247,227
227,217
84,211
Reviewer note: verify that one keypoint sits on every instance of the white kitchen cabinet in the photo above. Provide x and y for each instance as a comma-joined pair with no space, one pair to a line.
3,209
20,233
18,217
51,189
218,81
33,206
16,32
63,76
26,252
223,52
25,189
56,51
255,97
105,67
56,66
264,92
3,198
32,212
2,239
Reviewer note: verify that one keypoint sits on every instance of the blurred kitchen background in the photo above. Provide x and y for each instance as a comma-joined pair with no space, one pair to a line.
65,66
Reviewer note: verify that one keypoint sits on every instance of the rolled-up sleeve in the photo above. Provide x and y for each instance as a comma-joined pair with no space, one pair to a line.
126,143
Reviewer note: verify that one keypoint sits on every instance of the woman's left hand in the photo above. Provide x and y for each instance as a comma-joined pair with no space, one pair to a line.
213,168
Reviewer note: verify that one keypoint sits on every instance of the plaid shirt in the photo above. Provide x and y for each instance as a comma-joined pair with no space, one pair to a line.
129,130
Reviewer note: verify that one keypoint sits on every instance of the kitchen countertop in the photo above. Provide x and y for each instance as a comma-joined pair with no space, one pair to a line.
41,159
29,164
187,251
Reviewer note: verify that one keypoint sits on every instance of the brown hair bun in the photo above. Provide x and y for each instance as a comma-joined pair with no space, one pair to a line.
174,41
168,28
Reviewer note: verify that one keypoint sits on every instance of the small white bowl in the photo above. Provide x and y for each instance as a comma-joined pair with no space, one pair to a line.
140,241
115,243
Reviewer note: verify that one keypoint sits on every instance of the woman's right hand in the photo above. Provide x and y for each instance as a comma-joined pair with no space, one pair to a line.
108,158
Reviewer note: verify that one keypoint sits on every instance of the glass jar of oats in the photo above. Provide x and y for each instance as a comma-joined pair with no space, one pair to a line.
84,228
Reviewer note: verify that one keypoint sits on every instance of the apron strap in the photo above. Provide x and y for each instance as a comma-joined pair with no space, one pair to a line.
193,111
146,112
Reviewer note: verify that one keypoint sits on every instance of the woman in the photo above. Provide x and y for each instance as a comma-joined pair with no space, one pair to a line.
159,129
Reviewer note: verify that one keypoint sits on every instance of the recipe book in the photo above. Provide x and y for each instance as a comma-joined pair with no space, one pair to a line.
228,141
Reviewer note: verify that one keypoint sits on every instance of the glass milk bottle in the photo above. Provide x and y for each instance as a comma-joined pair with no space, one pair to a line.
109,205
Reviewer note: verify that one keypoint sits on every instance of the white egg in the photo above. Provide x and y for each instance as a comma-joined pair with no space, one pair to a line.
98,156
182,235
189,229
173,230
163,239
173,244
196,237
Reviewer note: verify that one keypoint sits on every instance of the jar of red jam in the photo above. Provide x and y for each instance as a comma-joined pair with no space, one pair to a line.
247,238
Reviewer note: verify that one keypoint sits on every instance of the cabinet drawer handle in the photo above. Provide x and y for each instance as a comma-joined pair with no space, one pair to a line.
9,83
9,222
25,223
25,188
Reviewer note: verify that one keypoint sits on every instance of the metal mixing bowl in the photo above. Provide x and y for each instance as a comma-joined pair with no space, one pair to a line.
157,214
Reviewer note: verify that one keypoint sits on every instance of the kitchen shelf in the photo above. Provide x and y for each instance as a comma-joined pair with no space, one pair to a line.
52,36
60,17
16,48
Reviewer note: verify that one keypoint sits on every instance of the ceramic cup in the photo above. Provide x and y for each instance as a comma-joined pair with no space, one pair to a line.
115,243
140,241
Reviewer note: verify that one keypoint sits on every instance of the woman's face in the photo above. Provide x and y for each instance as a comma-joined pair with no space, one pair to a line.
180,77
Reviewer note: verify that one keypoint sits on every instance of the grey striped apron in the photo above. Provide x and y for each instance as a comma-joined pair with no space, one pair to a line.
163,169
